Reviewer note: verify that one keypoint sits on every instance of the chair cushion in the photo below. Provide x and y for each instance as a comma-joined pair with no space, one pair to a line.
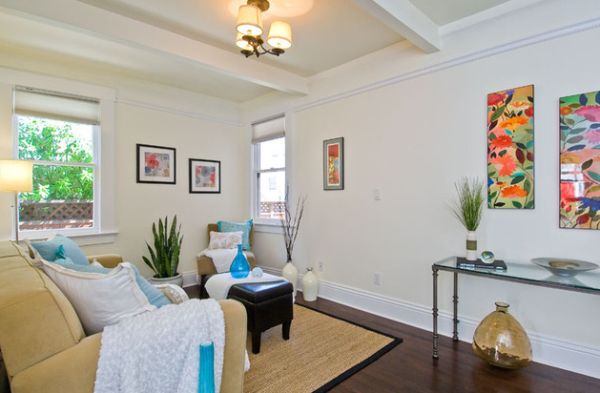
88,292
260,291
245,227
60,247
154,295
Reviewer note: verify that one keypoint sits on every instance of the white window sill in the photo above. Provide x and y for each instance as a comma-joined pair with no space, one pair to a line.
82,238
268,226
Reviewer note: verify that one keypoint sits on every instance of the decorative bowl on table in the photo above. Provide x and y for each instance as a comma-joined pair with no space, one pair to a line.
564,267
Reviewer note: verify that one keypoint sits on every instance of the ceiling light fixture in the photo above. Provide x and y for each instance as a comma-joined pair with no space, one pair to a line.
250,29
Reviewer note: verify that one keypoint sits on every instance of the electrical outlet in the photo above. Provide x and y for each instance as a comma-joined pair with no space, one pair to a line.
377,278
321,265
377,194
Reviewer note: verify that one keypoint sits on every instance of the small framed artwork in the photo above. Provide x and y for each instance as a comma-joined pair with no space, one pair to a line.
333,164
205,176
156,164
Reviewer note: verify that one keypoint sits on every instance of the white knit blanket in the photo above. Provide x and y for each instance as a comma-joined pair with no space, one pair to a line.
221,257
218,285
158,351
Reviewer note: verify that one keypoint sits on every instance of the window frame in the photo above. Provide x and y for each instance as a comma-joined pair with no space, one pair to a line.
256,173
96,167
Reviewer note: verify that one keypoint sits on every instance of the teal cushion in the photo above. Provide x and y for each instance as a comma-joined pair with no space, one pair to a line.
46,249
71,249
60,252
245,227
60,247
153,294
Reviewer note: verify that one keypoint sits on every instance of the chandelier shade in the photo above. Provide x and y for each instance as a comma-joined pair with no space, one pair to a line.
280,35
249,20
249,31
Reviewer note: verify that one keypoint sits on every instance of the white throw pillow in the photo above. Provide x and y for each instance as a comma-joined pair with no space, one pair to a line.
224,240
100,299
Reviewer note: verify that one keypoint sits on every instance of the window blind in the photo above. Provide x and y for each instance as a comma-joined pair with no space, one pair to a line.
54,105
270,129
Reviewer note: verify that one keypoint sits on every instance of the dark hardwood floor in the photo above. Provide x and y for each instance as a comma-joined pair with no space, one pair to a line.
410,368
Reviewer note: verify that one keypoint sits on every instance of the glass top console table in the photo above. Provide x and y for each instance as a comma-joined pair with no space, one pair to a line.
524,273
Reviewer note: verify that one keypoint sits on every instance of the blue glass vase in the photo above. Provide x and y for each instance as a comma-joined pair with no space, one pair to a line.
206,377
240,268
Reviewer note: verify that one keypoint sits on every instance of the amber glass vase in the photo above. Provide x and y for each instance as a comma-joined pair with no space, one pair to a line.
501,341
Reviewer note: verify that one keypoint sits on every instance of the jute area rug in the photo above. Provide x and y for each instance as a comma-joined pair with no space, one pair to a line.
322,351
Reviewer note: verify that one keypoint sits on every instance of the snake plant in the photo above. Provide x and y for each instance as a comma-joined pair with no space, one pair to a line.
164,258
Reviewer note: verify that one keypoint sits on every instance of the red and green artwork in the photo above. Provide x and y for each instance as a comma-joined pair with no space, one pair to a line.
580,161
510,149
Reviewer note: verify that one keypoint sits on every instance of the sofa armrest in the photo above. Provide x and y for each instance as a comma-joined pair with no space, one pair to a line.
70,371
108,260
234,357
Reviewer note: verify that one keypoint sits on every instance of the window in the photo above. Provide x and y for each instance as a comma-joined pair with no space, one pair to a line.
60,134
269,169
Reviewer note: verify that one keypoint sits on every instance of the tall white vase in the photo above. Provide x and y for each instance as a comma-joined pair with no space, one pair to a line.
471,246
310,285
290,272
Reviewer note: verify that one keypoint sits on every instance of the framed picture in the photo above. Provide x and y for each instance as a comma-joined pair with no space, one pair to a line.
333,164
205,176
156,164
510,151
580,161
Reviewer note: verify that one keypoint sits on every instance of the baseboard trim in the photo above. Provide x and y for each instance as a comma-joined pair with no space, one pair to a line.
552,351
190,278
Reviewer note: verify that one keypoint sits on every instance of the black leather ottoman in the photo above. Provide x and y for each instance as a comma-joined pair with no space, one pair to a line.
268,304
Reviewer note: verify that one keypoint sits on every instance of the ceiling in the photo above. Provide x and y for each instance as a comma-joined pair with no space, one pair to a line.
190,43
211,21
442,12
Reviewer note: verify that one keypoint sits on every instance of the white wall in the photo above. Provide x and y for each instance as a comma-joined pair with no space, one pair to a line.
158,115
412,139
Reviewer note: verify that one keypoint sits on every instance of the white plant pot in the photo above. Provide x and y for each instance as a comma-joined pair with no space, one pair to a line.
310,286
176,280
471,246
290,272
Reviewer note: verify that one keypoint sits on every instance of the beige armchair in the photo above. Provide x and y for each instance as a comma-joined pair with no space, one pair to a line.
206,267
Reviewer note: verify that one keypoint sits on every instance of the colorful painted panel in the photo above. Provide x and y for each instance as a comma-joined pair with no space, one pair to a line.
580,161
511,149
333,164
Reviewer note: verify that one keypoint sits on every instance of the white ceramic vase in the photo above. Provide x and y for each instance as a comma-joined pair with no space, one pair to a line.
310,286
471,246
290,272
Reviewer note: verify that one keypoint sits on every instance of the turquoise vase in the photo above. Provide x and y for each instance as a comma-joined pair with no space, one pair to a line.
206,377
240,268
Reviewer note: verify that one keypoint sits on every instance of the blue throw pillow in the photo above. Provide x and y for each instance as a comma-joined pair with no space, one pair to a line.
46,249
153,294
245,227
60,247
71,249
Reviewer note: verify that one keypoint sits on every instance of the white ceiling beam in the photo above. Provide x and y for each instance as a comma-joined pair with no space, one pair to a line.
407,20
104,24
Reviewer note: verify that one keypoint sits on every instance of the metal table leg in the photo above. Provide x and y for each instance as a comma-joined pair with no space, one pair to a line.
455,301
435,313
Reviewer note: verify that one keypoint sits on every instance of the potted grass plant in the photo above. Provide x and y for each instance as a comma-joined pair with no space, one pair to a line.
164,257
468,208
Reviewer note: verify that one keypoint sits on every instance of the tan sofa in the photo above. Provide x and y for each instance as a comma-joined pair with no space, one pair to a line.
42,341
206,267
